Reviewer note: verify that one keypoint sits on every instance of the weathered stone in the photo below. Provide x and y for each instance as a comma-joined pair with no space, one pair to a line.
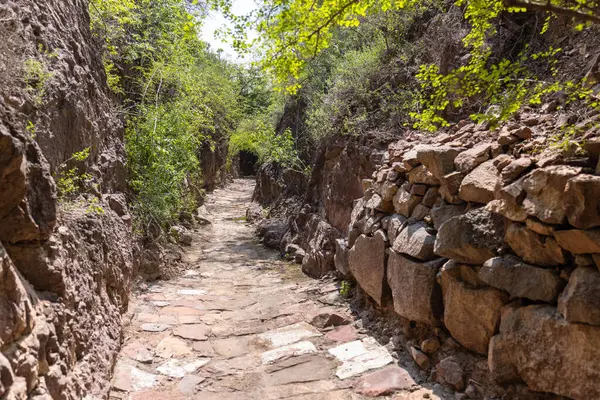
513,170
439,160
383,382
539,227
580,301
395,223
509,202
545,189
550,354
415,291
387,190
471,314
480,185
360,356
327,319
420,212
471,238
172,347
409,159
499,361
521,280
505,138
442,213
419,190
419,357
378,203
501,161
450,372
189,384
366,261
579,241
430,345
582,201
423,176
341,256
533,248
431,197
404,202
416,241
468,160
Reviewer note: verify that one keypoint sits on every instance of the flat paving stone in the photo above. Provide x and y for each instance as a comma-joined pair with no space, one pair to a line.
138,352
300,369
289,334
360,356
128,378
342,334
231,347
291,350
384,382
155,327
172,347
192,332
179,368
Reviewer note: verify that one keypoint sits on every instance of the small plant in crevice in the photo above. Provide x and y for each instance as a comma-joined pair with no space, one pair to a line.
69,181
94,207
36,79
345,289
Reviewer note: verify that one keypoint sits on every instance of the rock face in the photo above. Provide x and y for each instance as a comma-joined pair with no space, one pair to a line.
472,238
548,353
471,313
415,291
580,302
65,273
479,186
534,248
366,260
582,201
521,280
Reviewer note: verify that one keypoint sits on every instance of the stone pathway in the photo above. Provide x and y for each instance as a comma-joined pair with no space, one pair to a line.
243,324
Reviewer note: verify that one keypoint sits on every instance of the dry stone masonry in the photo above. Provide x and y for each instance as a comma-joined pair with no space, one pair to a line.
494,238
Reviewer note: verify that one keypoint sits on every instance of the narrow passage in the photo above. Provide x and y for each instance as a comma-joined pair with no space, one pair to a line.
241,323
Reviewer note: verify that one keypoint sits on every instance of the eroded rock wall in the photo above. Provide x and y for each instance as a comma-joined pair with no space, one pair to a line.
65,269
491,239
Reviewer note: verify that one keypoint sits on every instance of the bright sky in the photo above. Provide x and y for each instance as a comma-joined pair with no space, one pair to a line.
215,21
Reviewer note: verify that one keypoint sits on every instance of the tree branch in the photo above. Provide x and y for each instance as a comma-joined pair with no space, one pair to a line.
594,17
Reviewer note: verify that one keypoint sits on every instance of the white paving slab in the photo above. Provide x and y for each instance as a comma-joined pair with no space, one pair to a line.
291,350
191,292
155,327
360,356
179,368
289,334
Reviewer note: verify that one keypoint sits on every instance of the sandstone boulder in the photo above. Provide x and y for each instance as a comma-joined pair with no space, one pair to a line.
509,201
545,189
415,291
582,201
472,238
340,259
450,372
578,241
468,160
471,313
513,170
442,213
416,241
580,301
422,175
366,260
439,160
549,354
521,280
533,248
480,185
404,202
394,224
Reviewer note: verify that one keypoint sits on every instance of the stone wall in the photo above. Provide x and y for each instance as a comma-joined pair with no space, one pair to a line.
65,270
489,239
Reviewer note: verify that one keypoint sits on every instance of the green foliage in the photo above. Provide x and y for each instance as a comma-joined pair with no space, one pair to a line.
293,34
178,97
36,79
258,136
70,181
94,207
345,289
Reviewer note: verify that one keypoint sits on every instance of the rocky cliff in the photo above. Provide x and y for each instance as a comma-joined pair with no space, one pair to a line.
65,267
483,241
